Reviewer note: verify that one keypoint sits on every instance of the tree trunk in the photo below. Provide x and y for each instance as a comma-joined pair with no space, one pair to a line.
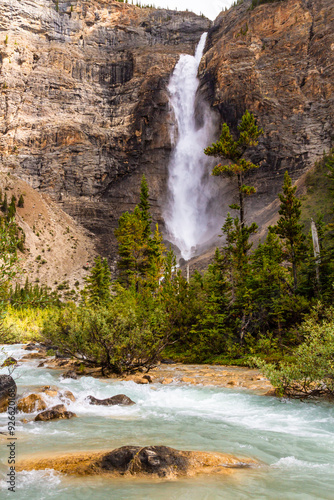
241,201
294,268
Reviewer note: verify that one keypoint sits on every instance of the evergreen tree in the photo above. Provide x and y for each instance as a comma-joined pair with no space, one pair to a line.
141,254
329,163
212,330
144,206
20,203
233,151
12,208
269,284
288,226
156,256
133,247
4,206
98,283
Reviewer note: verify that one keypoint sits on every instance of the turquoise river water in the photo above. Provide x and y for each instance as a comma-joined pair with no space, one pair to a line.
294,441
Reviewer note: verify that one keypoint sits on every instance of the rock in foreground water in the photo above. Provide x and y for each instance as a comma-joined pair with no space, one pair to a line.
56,412
157,460
137,461
69,374
7,390
31,403
119,399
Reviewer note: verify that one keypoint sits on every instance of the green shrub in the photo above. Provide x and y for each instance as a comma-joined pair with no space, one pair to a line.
120,337
311,373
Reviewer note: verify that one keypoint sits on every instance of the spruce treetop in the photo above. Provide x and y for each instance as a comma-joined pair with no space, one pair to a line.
232,151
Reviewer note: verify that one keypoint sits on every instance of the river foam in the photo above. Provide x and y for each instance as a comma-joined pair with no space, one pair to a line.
293,440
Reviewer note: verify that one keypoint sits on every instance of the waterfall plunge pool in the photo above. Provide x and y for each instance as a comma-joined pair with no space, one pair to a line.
294,441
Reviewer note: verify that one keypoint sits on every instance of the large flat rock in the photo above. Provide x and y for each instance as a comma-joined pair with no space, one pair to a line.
138,461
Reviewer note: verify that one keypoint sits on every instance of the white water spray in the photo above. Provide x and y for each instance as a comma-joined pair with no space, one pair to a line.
187,216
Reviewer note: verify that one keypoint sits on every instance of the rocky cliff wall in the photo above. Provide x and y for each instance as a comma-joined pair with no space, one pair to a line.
278,62
83,100
84,106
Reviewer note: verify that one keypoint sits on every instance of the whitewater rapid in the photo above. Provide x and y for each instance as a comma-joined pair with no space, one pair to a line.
293,441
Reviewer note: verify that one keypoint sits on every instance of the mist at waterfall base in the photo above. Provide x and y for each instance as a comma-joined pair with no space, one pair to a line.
192,214
293,441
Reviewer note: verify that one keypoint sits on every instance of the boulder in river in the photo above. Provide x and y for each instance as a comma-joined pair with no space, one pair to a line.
138,461
9,362
7,390
50,390
69,374
31,347
119,399
66,396
157,460
31,403
56,412
139,380
34,355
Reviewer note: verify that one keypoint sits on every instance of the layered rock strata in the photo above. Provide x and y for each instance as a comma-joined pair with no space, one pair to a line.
277,61
84,106
85,110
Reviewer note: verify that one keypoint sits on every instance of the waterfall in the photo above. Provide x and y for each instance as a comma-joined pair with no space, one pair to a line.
187,214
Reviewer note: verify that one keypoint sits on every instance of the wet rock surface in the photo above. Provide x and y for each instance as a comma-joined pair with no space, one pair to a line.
67,396
233,377
31,403
7,389
70,374
33,355
160,460
136,461
119,399
31,347
55,413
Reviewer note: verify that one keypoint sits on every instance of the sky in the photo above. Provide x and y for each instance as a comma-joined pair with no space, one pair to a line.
210,8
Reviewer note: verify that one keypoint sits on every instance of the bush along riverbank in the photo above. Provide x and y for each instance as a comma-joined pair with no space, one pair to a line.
268,307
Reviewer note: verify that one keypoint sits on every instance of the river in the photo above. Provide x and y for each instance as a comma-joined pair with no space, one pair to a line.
292,440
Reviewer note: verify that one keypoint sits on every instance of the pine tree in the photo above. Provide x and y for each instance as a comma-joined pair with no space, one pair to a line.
21,202
98,283
233,151
4,206
156,256
133,247
269,283
288,227
141,254
144,206
12,208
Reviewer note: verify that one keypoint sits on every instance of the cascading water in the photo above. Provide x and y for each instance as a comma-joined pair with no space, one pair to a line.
293,441
188,219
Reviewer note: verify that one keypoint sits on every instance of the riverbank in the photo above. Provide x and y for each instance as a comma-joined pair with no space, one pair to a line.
174,373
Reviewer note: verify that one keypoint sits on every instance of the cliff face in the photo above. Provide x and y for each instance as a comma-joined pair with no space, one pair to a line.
85,111
277,61
84,106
